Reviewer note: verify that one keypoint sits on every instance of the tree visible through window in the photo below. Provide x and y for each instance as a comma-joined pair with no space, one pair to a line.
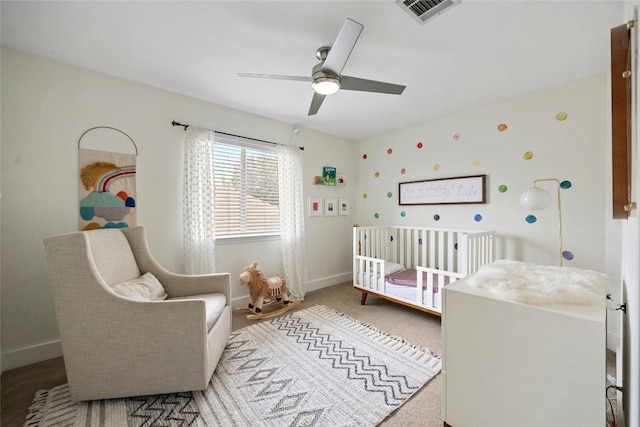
246,189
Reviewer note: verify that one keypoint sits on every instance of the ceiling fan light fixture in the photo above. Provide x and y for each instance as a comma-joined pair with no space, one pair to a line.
326,85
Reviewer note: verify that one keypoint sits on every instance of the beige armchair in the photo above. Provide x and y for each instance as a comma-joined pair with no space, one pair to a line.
121,335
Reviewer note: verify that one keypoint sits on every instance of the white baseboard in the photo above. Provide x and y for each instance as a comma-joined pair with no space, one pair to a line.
325,282
29,355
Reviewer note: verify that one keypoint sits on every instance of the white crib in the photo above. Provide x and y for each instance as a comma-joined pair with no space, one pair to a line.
410,265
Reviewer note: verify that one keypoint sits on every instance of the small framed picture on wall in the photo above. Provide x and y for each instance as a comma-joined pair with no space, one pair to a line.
315,206
330,206
343,206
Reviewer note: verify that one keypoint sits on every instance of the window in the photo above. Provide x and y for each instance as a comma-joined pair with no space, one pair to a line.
246,188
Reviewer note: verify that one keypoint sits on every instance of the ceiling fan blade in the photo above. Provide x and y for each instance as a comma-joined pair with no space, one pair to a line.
316,102
276,77
364,85
342,47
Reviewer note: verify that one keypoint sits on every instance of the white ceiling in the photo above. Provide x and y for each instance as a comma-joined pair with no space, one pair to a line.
476,52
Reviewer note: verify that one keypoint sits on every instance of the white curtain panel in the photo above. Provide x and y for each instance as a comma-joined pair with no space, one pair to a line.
199,230
290,183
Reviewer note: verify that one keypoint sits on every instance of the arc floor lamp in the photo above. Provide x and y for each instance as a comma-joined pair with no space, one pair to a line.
536,198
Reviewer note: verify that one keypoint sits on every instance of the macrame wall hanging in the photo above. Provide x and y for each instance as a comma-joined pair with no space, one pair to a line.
107,183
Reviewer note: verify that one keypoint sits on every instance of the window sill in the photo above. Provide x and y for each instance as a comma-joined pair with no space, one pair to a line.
246,238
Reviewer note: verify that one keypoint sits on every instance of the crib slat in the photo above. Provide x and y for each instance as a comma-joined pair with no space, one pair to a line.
449,266
429,301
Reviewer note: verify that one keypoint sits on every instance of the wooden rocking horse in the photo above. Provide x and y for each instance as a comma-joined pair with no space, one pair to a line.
261,287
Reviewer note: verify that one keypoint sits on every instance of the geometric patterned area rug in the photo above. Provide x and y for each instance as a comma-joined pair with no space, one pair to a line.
314,367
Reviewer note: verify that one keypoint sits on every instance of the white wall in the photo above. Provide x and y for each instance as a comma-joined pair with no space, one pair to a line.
572,150
46,106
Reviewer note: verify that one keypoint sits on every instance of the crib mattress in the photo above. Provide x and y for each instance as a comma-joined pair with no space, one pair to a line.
401,284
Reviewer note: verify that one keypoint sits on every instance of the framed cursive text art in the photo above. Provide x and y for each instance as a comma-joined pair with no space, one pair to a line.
442,191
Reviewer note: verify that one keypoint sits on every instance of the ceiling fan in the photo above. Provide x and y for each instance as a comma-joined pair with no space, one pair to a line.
326,76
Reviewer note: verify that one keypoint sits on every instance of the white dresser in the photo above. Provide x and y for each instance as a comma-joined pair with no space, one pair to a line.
514,365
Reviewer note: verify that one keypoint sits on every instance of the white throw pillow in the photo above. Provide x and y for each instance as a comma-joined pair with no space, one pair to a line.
392,267
144,288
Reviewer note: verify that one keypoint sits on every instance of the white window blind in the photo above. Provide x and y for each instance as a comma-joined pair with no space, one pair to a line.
246,188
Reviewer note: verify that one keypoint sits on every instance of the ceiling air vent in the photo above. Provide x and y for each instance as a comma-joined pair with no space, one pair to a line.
425,10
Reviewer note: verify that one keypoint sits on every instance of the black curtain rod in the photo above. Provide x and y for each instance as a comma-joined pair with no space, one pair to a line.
174,123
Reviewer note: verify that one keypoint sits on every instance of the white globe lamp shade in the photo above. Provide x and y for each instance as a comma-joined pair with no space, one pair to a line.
535,199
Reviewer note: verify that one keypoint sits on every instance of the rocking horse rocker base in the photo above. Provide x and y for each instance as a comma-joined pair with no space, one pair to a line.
269,314
251,308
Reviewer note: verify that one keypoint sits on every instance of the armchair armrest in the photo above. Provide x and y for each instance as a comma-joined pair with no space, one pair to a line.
131,349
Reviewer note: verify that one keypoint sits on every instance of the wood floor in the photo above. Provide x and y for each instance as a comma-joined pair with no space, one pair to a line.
21,384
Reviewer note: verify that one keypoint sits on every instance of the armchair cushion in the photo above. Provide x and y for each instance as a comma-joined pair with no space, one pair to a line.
214,304
144,288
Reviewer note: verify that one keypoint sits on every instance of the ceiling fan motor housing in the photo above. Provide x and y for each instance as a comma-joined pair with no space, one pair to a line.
324,82
318,73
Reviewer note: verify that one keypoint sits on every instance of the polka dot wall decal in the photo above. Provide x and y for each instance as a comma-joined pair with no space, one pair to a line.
377,174
376,216
502,127
364,195
436,167
477,218
568,255
476,162
403,171
565,184
436,217
528,155
389,151
403,214
561,116
502,188
457,137
389,194
364,156
531,219
419,145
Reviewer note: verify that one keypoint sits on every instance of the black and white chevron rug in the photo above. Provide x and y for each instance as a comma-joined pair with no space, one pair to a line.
314,367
